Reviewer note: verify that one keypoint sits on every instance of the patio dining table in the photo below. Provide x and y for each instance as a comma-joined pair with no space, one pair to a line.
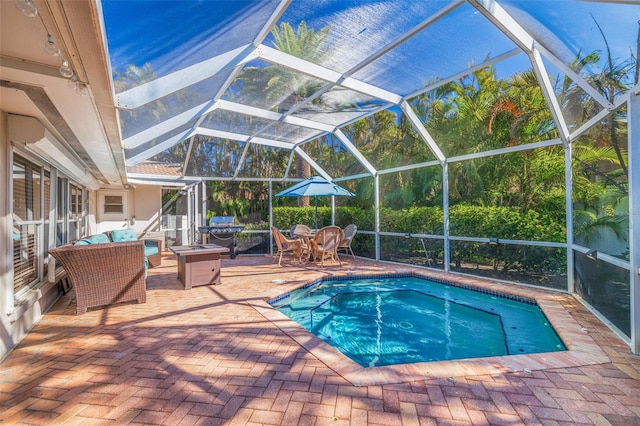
307,243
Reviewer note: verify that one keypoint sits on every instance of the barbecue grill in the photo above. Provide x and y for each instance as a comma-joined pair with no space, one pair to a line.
222,231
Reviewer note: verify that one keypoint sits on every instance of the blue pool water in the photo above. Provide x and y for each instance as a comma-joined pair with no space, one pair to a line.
406,319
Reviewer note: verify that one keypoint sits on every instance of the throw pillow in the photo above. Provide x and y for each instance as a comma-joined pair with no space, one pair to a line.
119,235
99,239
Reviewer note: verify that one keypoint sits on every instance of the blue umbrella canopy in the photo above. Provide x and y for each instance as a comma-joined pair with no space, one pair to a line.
315,186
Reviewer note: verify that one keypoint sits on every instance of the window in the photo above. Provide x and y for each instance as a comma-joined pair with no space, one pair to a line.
62,209
113,204
75,219
33,187
26,212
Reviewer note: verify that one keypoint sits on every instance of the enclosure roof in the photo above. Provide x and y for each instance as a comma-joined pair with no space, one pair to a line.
210,84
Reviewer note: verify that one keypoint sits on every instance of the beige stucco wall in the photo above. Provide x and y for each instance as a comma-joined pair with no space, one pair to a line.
142,210
145,205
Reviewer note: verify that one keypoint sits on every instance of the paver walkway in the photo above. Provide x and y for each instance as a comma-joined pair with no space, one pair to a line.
208,356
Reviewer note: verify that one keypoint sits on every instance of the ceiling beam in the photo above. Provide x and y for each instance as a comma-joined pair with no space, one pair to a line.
273,116
168,125
288,61
178,80
422,131
355,151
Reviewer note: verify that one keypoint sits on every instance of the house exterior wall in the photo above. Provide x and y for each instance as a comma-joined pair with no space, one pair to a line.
18,316
142,210
146,207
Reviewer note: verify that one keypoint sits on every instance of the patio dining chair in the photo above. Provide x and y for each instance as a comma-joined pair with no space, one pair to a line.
300,230
325,244
345,244
286,245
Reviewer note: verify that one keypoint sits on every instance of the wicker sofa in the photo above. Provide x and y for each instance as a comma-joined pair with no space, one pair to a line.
104,273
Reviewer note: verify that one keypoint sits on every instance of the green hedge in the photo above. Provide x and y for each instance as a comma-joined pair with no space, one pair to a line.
468,221
465,221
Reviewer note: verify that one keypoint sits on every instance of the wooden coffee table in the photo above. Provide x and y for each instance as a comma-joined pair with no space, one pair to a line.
198,264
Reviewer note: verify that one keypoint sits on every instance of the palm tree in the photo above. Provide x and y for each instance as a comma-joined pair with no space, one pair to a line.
279,88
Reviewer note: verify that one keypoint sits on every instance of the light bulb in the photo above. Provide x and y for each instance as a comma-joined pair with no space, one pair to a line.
50,47
81,88
72,82
27,8
65,70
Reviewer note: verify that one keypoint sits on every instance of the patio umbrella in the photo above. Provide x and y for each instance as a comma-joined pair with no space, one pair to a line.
315,186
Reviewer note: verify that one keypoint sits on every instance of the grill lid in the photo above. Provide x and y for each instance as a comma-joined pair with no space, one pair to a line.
221,221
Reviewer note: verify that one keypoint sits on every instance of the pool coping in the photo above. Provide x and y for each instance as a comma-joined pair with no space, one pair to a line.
581,348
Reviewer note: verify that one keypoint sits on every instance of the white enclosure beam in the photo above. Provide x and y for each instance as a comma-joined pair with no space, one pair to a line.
445,210
410,167
501,151
241,138
505,23
596,119
376,204
313,164
241,161
274,116
288,61
187,158
157,149
422,131
167,125
171,83
568,199
549,95
203,203
355,151
633,138
272,21
575,77
470,70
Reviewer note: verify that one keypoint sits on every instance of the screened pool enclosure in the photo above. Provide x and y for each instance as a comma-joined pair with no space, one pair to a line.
494,138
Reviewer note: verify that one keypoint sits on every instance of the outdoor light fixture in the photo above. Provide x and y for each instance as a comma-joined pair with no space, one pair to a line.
493,241
65,70
50,46
592,254
77,85
27,8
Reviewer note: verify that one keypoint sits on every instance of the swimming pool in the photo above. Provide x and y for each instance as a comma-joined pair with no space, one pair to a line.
399,319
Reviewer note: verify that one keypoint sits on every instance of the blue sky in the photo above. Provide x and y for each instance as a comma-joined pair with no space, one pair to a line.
172,34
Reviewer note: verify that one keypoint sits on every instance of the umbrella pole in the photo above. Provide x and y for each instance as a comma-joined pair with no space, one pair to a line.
316,197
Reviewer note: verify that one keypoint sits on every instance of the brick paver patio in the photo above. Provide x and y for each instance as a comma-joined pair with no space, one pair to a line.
218,355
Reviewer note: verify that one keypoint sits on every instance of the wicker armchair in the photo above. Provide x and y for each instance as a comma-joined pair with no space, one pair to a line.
285,245
345,244
103,274
325,244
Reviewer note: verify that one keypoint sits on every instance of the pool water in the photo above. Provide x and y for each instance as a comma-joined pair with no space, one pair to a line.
399,320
